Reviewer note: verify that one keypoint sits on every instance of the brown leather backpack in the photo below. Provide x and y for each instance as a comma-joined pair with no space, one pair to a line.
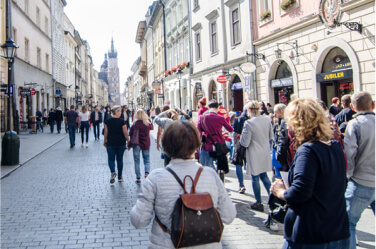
195,221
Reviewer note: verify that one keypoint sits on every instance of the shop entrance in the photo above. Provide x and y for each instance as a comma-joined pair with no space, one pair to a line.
336,77
282,84
237,94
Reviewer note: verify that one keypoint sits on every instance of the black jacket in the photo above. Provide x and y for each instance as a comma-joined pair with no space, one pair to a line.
58,116
129,113
282,144
92,116
239,123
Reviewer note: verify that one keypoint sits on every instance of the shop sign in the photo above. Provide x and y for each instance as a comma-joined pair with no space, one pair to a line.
247,83
25,92
198,86
222,79
282,82
345,86
345,74
330,12
236,86
160,96
32,91
157,91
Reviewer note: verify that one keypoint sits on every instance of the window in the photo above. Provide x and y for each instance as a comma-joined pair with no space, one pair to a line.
195,4
38,58
264,9
181,51
38,17
198,46
14,35
186,48
46,25
27,50
235,27
47,63
213,37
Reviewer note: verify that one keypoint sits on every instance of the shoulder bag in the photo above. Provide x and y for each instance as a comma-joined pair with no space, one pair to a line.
134,138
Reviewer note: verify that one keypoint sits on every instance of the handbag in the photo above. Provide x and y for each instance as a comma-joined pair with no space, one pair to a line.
277,209
239,156
134,138
195,220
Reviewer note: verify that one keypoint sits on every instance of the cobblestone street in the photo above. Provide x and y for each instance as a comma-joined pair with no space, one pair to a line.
63,199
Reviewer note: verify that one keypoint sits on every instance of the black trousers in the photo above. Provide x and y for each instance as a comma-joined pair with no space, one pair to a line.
96,125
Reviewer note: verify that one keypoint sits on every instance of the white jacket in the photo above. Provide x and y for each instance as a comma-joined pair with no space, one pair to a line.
160,191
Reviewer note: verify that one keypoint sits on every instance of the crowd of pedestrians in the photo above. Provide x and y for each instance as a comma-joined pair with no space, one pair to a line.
322,159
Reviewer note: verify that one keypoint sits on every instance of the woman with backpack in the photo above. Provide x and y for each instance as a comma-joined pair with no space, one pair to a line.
161,190
142,127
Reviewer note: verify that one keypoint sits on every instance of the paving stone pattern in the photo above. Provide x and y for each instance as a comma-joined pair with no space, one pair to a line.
62,199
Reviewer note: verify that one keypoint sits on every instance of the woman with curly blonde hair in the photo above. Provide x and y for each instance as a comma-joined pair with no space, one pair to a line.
143,124
317,216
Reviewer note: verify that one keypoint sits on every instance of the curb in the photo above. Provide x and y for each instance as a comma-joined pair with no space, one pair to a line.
21,164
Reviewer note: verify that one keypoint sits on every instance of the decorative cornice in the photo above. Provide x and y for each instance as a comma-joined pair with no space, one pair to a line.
231,2
211,15
196,27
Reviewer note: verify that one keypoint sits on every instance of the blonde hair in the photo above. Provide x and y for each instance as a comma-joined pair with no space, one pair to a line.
252,108
308,121
141,115
84,109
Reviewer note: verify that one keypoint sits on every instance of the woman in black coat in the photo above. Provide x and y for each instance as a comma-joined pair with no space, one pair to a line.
58,118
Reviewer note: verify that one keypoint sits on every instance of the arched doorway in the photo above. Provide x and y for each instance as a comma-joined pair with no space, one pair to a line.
282,84
237,103
336,77
213,94
197,95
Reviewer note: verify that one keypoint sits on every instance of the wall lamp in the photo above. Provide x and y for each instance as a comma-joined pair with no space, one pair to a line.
353,26
257,56
294,45
227,73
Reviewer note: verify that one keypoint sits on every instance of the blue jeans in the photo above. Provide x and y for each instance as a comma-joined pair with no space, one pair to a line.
339,244
256,185
58,126
239,174
358,198
116,152
136,158
206,160
52,124
84,125
96,129
72,134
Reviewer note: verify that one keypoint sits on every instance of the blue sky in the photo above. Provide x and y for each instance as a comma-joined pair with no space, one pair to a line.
98,20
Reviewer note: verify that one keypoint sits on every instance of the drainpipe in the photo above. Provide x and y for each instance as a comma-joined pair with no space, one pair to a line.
253,75
225,50
52,56
190,103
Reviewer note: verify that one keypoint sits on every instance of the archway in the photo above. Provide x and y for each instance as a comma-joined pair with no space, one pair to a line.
213,94
237,102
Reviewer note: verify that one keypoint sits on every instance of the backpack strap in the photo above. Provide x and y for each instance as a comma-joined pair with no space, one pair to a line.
176,177
193,190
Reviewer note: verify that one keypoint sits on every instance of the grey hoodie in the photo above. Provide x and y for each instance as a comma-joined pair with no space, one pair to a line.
360,149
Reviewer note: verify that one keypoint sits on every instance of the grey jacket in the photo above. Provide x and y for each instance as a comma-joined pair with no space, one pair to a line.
160,191
256,135
163,121
360,149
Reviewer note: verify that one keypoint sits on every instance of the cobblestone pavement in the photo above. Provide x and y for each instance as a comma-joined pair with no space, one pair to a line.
63,199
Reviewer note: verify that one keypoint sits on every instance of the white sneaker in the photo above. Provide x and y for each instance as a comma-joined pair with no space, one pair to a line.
87,146
274,226
82,145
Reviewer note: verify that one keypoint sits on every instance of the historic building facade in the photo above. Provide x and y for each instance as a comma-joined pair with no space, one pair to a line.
309,55
112,71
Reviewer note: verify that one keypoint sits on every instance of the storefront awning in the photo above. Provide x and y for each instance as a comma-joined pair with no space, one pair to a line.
236,86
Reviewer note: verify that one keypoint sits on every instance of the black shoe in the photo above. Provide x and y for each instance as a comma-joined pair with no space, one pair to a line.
257,206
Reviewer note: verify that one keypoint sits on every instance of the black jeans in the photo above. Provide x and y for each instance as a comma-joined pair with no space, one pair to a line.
96,125
84,125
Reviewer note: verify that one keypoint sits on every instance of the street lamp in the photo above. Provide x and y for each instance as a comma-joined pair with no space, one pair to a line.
179,72
11,143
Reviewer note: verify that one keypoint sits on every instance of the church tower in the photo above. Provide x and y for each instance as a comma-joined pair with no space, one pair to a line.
113,76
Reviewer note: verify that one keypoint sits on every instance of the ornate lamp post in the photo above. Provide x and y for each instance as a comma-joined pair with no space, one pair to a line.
11,142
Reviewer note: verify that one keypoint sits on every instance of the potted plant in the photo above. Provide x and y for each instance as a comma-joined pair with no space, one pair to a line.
286,4
265,14
187,64
168,72
174,69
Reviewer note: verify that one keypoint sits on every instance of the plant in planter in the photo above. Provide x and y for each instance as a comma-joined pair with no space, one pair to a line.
267,13
286,4
174,69
180,66
187,64
168,72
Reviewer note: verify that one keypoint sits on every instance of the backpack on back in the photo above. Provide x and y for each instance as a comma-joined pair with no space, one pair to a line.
195,221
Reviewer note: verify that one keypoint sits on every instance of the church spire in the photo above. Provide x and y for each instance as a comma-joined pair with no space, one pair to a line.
112,53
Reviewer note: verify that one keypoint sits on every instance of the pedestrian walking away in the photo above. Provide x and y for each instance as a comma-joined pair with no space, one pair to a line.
45,117
71,119
126,115
39,121
256,136
84,125
317,179
360,152
96,120
51,119
58,118
161,189
142,126
115,139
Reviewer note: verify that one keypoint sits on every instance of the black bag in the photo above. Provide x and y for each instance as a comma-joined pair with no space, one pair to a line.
222,163
277,209
195,221
239,156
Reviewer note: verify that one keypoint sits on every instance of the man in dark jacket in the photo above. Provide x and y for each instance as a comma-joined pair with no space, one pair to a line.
58,118
96,119
51,119
282,140
346,114
39,120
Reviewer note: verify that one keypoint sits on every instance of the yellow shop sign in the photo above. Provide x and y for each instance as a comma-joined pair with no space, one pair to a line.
334,76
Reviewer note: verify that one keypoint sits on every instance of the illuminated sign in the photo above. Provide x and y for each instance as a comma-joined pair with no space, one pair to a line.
345,74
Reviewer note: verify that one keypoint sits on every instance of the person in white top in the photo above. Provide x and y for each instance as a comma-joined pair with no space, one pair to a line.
84,116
